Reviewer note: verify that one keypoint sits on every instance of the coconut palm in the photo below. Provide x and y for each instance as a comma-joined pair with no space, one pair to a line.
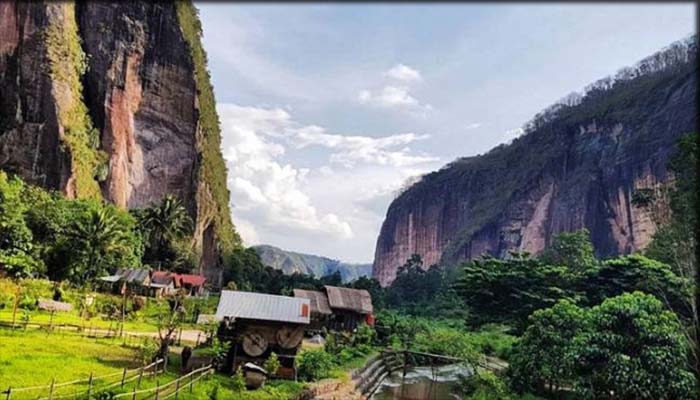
164,223
94,239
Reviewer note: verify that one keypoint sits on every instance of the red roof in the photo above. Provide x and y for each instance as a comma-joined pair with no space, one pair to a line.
194,280
179,279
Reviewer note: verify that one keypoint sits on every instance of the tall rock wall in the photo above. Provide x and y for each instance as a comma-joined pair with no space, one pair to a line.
113,100
577,166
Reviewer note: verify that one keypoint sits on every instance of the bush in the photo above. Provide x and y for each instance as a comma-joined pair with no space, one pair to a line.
313,365
238,381
272,364
484,385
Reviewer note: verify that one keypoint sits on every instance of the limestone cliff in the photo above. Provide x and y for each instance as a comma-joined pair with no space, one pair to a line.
577,165
113,100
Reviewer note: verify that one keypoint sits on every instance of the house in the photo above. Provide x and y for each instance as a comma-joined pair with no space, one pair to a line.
193,284
338,308
163,283
136,279
320,308
257,324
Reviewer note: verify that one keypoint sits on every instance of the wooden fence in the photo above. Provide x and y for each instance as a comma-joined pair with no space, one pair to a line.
169,389
93,387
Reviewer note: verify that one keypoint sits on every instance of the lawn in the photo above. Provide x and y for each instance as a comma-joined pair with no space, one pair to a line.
34,358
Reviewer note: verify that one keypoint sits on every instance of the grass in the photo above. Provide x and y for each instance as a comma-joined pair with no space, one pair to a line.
34,358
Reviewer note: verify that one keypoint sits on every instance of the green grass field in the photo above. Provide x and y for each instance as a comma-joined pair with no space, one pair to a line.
35,358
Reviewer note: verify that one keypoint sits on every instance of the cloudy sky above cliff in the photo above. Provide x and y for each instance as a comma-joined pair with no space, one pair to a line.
328,110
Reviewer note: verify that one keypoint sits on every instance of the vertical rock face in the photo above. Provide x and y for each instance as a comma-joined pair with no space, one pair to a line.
577,166
140,88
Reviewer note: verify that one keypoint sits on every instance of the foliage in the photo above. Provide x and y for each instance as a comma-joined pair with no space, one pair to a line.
147,352
164,224
272,364
634,350
314,364
67,64
213,169
571,249
544,357
17,251
238,380
508,291
484,385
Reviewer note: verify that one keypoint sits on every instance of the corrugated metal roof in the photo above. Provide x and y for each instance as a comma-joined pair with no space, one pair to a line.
319,300
110,278
134,275
262,306
349,299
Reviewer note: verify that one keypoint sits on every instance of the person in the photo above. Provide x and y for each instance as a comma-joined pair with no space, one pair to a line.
185,356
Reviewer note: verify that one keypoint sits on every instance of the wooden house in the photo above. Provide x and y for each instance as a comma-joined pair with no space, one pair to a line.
320,309
338,308
257,324
136,280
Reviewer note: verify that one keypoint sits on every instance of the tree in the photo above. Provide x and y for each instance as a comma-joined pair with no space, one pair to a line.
509,290
17,252
634,350
164,224
636,272
98,242
544,358
572,249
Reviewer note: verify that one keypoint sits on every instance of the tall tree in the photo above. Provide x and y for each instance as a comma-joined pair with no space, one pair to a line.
164,224
17,255
96,239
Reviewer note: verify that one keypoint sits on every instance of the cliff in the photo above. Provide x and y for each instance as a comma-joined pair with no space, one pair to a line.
577,165
290,262
113,101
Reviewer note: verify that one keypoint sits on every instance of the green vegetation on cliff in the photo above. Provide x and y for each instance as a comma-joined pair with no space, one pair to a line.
67,64
213,169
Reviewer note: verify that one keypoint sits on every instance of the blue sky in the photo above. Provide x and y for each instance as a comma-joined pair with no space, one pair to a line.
327,110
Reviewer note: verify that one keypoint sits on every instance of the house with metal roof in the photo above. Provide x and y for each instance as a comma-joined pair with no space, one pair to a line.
320,308
257,324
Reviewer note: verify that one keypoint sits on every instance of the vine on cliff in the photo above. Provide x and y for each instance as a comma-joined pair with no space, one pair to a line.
67,63
213,169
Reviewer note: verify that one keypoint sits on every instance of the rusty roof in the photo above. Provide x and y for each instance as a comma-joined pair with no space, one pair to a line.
349,299
139,275
267,307
319,300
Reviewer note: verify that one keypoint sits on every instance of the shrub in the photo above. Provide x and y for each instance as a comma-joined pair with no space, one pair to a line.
484,385
238,381
272,364
313,365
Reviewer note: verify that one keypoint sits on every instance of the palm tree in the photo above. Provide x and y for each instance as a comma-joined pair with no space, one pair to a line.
163,223
94,238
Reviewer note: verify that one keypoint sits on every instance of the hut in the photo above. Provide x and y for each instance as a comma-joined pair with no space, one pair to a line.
193,284
320,309
136,279
338,308
257,324
163,283
350,307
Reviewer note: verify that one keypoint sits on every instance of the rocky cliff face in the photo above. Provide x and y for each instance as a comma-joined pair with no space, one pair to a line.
577,166
114,101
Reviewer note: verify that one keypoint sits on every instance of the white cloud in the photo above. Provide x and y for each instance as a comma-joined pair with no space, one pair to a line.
271,195
512,134
404,73
394,97
472,125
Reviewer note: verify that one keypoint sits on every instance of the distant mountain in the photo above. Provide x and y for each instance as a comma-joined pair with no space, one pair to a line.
290,262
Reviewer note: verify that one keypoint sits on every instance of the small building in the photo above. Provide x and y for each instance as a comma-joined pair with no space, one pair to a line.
257,324
193,284
320,308
338,308
137,280
163,283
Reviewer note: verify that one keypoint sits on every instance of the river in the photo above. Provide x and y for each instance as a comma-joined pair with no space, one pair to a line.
420,384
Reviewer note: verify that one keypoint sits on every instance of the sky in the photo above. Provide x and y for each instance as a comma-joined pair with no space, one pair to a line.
328,110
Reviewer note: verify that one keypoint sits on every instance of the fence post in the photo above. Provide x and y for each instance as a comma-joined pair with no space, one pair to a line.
177,387
9,391
123,376
138,383
53,381
89,386
157,388
134,395
191,378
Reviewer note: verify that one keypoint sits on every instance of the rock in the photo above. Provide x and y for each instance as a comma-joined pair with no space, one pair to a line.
577,170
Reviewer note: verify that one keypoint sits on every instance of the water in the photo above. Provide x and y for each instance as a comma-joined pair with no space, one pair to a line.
420,384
